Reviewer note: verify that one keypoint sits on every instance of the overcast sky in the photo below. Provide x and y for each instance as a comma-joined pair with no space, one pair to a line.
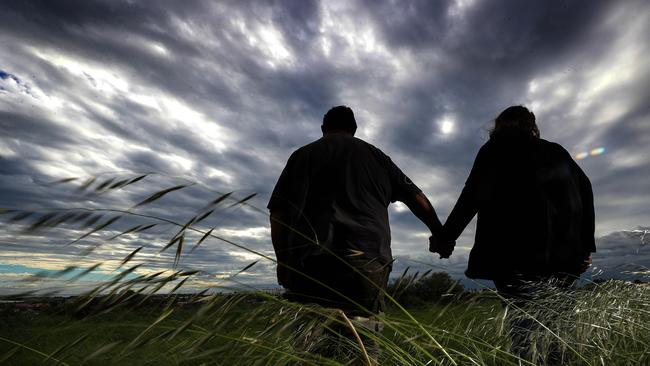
219,93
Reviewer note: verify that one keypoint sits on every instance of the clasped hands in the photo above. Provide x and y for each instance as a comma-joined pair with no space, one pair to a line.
441,246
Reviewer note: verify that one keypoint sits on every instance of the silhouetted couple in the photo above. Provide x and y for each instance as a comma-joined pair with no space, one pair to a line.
330,230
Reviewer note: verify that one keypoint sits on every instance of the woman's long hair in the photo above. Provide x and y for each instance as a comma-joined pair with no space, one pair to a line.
515,120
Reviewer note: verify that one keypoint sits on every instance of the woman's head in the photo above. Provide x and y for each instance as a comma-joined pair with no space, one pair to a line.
515,120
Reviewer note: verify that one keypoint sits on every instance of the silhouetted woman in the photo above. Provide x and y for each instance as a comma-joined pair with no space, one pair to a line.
535,216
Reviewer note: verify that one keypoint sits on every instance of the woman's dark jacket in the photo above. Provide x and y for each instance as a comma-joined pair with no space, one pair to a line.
535,210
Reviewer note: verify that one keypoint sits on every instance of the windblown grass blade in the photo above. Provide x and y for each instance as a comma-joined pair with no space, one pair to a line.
220,198
185,226
205,236
202,217
80,217
426,273
180,329
153,276
92,220
179,285
124,273
160,194
130,256
64,180
127,231
36,276
87,184
62,219
101,350
147,227
65,271
136,179
179,249
98,228
105,184
355,253
248,266
86,271
48,220
119,184
9,354
188,273
172,242
243,200
140,337
70,345
20,216
41,222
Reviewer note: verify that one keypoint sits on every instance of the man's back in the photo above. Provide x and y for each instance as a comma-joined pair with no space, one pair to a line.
337,190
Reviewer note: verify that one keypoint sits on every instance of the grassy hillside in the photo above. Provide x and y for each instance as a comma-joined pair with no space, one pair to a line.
257,329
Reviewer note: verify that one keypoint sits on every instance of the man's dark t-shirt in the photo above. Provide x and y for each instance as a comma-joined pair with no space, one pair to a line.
336,191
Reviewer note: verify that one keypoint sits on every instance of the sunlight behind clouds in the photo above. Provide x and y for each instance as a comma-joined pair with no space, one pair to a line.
447,125
593,90
267,40
353,34
95,75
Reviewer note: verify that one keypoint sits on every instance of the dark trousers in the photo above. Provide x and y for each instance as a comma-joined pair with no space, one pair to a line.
356,287
539,310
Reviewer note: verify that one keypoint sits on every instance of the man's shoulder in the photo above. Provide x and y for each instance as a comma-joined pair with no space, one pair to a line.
305,149
370,147
358,146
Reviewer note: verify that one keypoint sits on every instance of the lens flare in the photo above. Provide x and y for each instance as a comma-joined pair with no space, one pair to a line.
597,151
592,152
582,155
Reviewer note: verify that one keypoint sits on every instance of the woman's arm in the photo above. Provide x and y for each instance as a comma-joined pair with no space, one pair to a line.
468,203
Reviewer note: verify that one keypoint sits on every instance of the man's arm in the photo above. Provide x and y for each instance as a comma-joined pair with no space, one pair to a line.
478,183
280,216
279,236
421,207
404,190
423,210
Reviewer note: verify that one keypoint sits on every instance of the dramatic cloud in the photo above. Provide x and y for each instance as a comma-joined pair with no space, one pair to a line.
220,93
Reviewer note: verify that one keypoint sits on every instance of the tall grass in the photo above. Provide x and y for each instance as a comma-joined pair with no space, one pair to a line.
124,321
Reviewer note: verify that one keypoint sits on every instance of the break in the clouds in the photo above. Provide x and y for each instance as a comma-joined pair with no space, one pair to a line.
220,93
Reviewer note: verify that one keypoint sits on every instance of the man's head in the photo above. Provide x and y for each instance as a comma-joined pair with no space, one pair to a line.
515,120
339,119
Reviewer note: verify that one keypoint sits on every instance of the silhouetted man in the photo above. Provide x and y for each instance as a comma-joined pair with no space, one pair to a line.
535,216
329,218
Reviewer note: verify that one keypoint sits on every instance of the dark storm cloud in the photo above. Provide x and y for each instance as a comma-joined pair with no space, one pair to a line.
23,128
479,60
415,24
220,93
89,31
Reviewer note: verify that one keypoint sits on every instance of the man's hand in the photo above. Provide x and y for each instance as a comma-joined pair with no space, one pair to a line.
443,248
